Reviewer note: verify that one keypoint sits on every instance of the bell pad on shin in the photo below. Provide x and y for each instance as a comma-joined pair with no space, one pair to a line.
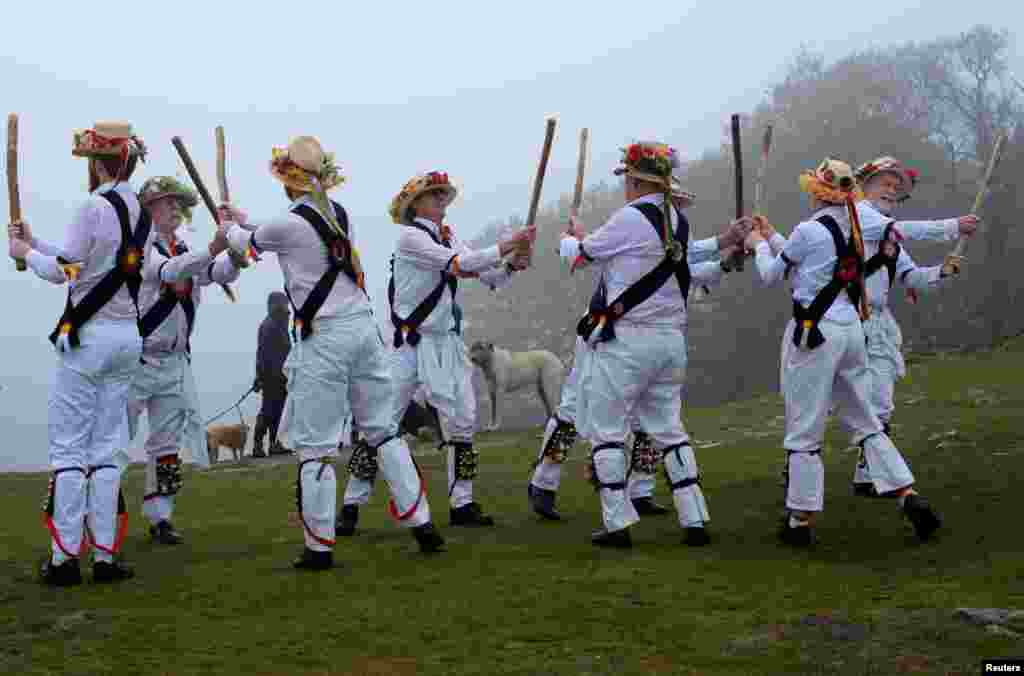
363,462
466,460
561,442
644,457
168,475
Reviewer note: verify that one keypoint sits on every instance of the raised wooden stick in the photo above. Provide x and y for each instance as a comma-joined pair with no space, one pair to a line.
737,157
581,168
997,151
196,178
13,199
766,146
222,175
193,173
538,183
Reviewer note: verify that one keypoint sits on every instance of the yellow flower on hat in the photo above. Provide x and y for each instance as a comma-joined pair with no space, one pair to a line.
303,160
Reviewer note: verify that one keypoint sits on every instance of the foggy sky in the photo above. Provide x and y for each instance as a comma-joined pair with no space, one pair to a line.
393,89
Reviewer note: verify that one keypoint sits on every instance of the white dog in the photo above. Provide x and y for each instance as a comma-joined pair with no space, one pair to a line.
507,371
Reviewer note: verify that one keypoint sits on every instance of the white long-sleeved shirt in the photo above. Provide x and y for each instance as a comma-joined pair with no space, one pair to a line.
92,239
873,223
627,248
419,262
187,272
303,259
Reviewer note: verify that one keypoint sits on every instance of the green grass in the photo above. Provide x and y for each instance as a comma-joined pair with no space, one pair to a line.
536,598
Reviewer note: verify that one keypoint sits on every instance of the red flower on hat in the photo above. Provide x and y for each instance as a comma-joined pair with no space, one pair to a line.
829,176
912,173
633,154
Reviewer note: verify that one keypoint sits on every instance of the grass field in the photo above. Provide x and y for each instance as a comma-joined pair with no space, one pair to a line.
536,598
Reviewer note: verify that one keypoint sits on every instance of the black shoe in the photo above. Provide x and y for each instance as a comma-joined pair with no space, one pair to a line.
542,501
428,537
925,520
67,574
469,514
865,490
800,536
697,537
613,538
648,507
163,533
114,571
257,452
277,449
310,560
348,519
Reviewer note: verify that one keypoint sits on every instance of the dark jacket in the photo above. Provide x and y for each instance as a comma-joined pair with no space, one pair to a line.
273,348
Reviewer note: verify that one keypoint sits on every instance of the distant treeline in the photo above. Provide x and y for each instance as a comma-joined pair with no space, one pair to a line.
936,106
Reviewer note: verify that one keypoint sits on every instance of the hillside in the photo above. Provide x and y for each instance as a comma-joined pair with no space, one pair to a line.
532,598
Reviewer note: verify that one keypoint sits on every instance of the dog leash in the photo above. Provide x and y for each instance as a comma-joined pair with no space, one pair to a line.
236,405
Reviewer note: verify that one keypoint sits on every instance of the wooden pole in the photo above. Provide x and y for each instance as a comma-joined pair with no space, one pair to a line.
13,198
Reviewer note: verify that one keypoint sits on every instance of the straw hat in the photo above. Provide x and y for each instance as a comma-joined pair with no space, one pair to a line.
420,185
648,161
889,165
833,181
303,160
107,139
159,187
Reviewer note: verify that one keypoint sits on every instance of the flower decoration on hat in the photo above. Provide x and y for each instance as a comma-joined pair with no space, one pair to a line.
108,139
302,161
432,181
833,181
908,177
648,161
159,187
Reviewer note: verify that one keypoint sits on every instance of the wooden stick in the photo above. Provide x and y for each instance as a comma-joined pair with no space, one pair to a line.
766,146
737,157
581,168
222,175
207,200
997,151
196,179
538,183
13,198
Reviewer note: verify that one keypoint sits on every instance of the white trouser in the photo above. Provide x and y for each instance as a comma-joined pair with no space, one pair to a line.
835,371
547,474
641,373
439,364
886,366
341,371
88,429
163,387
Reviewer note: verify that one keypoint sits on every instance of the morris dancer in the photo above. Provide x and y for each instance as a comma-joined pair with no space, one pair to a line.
887,183
428,262
560,432
638,328
337,366
172,278
98,349
824,357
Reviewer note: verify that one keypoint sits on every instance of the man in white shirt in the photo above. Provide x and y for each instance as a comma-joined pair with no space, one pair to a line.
560,433
337,366
428,350
636,328
886,184
98,349
824,358
172,279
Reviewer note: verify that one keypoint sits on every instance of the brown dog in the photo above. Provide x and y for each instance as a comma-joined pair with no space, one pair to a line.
231,436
